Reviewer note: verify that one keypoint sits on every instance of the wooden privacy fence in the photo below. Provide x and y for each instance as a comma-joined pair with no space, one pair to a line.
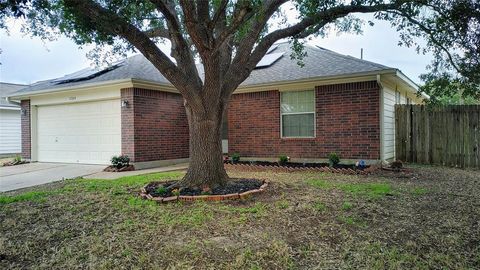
446,135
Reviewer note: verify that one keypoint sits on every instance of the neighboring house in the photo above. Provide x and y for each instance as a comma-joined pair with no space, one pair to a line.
10,131
334,103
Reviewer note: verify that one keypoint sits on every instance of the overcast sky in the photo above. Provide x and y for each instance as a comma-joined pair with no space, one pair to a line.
27,60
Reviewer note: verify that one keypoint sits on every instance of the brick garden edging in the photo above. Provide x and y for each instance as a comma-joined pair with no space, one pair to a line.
257,168
232,196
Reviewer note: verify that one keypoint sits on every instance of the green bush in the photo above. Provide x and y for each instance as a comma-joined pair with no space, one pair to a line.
120,161
161,190
283,159
333,159
17,159
235,157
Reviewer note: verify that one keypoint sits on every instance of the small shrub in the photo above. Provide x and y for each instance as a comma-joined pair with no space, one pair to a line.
333,159
283,159
120,161
235,157
17,159
161,190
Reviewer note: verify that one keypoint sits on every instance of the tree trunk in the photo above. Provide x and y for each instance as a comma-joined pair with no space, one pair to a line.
206,157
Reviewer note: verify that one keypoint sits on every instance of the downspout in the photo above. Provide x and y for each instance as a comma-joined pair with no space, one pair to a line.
382,124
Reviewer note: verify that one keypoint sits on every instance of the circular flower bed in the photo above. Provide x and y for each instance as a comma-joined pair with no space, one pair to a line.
234,189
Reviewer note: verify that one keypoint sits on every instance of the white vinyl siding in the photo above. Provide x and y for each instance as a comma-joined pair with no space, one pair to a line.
10,132
86,132
389,100
297,110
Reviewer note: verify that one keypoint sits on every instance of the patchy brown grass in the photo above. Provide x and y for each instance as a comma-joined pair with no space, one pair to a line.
425,219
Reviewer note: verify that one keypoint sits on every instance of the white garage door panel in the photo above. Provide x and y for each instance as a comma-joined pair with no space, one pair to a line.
79,133
10,131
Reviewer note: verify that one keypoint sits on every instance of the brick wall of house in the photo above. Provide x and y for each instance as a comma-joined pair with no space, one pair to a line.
347,122
26,130
154,125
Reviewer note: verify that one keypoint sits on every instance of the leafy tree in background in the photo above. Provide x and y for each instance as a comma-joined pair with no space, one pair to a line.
230,37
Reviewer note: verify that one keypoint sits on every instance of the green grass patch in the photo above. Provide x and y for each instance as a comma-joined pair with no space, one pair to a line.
136,181
346,206
28,196
372,190
119,186
353,221
282,204
318,183
419,191
319,206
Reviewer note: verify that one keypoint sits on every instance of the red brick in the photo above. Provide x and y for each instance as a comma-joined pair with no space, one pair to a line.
26,130
347,122
154,125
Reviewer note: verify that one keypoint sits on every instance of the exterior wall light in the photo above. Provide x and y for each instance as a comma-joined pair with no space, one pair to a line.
124,103
23,112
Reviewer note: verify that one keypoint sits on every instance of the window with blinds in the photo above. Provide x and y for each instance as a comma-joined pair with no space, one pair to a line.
298,114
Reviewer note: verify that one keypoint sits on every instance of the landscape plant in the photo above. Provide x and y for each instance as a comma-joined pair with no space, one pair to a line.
333,159
120,161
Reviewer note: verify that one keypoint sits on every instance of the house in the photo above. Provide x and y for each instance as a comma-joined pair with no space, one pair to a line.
10,131
334,103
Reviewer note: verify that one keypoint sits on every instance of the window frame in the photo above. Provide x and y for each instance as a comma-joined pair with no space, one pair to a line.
298,113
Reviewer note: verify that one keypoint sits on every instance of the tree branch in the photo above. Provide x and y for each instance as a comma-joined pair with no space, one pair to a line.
180,46
157,32
431,33
245,61
219,14
109,22
198,30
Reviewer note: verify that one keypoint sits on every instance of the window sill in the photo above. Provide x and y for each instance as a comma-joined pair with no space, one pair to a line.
297,138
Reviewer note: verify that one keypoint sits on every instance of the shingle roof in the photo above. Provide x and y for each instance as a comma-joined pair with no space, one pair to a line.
7,89
319,62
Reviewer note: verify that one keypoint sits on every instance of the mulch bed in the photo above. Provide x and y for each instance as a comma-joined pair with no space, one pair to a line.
275,167
122,169
298,165
234,189
13,163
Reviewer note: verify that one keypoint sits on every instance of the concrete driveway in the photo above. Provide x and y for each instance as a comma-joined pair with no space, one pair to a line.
32,174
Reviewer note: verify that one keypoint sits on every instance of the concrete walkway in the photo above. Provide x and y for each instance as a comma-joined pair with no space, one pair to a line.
115,175
33,174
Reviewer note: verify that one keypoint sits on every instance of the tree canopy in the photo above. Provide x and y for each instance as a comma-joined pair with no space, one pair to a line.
451,29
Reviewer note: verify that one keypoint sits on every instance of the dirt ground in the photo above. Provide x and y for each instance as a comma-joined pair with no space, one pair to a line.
427,218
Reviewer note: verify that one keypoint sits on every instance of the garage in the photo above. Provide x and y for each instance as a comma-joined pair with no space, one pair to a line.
84,132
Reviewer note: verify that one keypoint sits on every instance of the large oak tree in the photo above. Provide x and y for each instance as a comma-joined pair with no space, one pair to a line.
229,37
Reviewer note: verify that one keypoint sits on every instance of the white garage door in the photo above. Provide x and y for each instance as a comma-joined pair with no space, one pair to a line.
10,134
87,132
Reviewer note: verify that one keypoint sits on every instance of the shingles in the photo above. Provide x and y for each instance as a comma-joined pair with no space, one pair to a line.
318,63
7,89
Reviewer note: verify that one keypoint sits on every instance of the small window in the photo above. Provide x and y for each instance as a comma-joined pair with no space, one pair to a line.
298,114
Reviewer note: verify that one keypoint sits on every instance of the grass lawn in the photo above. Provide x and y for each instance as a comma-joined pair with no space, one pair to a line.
429,218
